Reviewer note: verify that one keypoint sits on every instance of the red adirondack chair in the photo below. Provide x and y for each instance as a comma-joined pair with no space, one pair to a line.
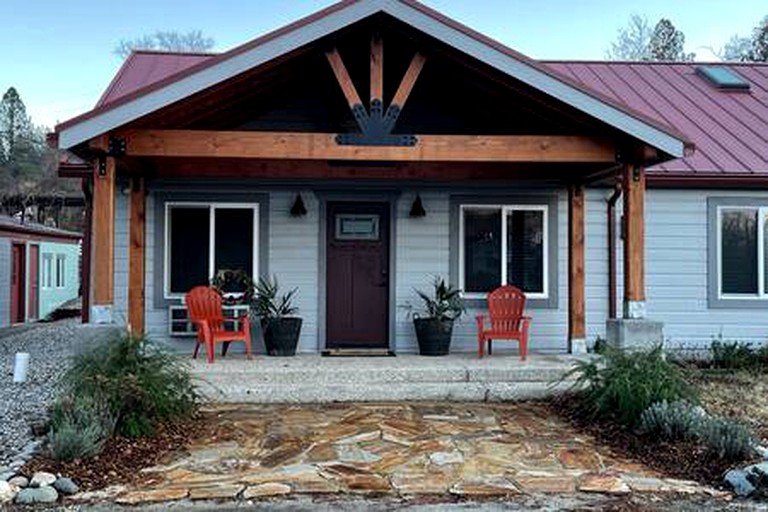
204,306
505,309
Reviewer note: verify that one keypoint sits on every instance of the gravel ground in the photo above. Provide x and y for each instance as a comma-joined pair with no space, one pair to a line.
51,347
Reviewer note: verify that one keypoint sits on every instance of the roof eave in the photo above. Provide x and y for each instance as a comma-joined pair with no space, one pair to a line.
312,28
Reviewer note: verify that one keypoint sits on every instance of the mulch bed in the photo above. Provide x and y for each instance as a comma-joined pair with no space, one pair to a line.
123,458
679,459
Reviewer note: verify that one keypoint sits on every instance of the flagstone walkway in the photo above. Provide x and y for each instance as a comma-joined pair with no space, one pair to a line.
405,450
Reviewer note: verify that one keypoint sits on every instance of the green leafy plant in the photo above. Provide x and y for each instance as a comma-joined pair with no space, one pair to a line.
141,384
622,384
79,427
735,355
239,282
268,304
445,302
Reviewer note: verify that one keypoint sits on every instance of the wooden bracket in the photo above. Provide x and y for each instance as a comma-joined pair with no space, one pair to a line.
376,127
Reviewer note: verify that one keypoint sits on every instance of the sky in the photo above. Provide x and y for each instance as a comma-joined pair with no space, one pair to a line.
59,55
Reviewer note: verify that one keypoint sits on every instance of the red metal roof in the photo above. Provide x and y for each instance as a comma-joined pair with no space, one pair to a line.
729,128
143,68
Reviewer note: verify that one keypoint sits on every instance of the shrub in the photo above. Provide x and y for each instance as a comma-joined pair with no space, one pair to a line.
79,427
622,384
733,355
681,420
140,383
672,420
727,439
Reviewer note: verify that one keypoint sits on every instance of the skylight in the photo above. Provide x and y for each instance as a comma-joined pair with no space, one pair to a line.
723,78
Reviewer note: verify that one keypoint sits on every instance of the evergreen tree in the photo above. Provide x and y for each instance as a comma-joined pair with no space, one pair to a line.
667,43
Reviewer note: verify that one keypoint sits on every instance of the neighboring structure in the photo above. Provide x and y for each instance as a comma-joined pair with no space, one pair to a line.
41,266
360,151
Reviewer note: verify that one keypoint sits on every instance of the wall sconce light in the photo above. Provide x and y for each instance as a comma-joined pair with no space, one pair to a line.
417,209
298,209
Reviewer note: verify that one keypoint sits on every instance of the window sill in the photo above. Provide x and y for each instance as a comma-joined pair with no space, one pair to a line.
745,302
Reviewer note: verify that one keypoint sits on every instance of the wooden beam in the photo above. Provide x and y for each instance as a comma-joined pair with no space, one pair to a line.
136,256
634,241
377,70
103,231
323,146
409,80
342,76
576,292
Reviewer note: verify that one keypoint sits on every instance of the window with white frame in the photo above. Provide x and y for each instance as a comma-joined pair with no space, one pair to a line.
741,252
47,270
61,260
504,244
203,238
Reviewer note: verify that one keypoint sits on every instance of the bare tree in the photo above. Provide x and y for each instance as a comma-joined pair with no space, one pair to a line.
748,49
633,41
166,40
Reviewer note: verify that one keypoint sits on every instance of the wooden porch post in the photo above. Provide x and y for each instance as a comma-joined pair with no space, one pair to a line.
576,302
634,242
103,239
137,246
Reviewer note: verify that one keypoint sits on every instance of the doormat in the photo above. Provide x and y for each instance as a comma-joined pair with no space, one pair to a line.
358,352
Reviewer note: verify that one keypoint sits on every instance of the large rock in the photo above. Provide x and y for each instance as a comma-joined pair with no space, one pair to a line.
65,486
32,495
738,481
19,481
7,492
42,479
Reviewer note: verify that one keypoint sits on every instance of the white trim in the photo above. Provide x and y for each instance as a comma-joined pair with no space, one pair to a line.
212,207
46,274
762,217
63,275
505,210
357,11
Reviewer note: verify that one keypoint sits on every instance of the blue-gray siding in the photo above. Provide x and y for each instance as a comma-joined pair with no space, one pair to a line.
676,252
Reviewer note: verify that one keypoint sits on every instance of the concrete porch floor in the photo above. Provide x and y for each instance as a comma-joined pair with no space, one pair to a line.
407,377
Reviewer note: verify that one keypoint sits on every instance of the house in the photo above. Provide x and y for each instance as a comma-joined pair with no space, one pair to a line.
41,266
360,151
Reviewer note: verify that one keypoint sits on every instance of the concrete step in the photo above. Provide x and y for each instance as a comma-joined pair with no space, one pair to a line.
380,392
311,379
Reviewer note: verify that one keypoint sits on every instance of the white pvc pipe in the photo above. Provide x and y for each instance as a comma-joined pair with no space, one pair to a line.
20,367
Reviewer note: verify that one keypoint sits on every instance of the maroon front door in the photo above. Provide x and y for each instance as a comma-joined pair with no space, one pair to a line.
17,284
357,279
34,286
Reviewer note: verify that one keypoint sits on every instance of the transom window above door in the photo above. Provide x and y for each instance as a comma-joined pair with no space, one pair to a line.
504,244
203,238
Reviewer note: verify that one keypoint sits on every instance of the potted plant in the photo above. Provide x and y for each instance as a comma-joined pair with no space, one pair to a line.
442,308
234,286
279,327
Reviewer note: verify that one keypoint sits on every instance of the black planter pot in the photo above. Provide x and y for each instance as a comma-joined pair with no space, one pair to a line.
433,335
281,336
